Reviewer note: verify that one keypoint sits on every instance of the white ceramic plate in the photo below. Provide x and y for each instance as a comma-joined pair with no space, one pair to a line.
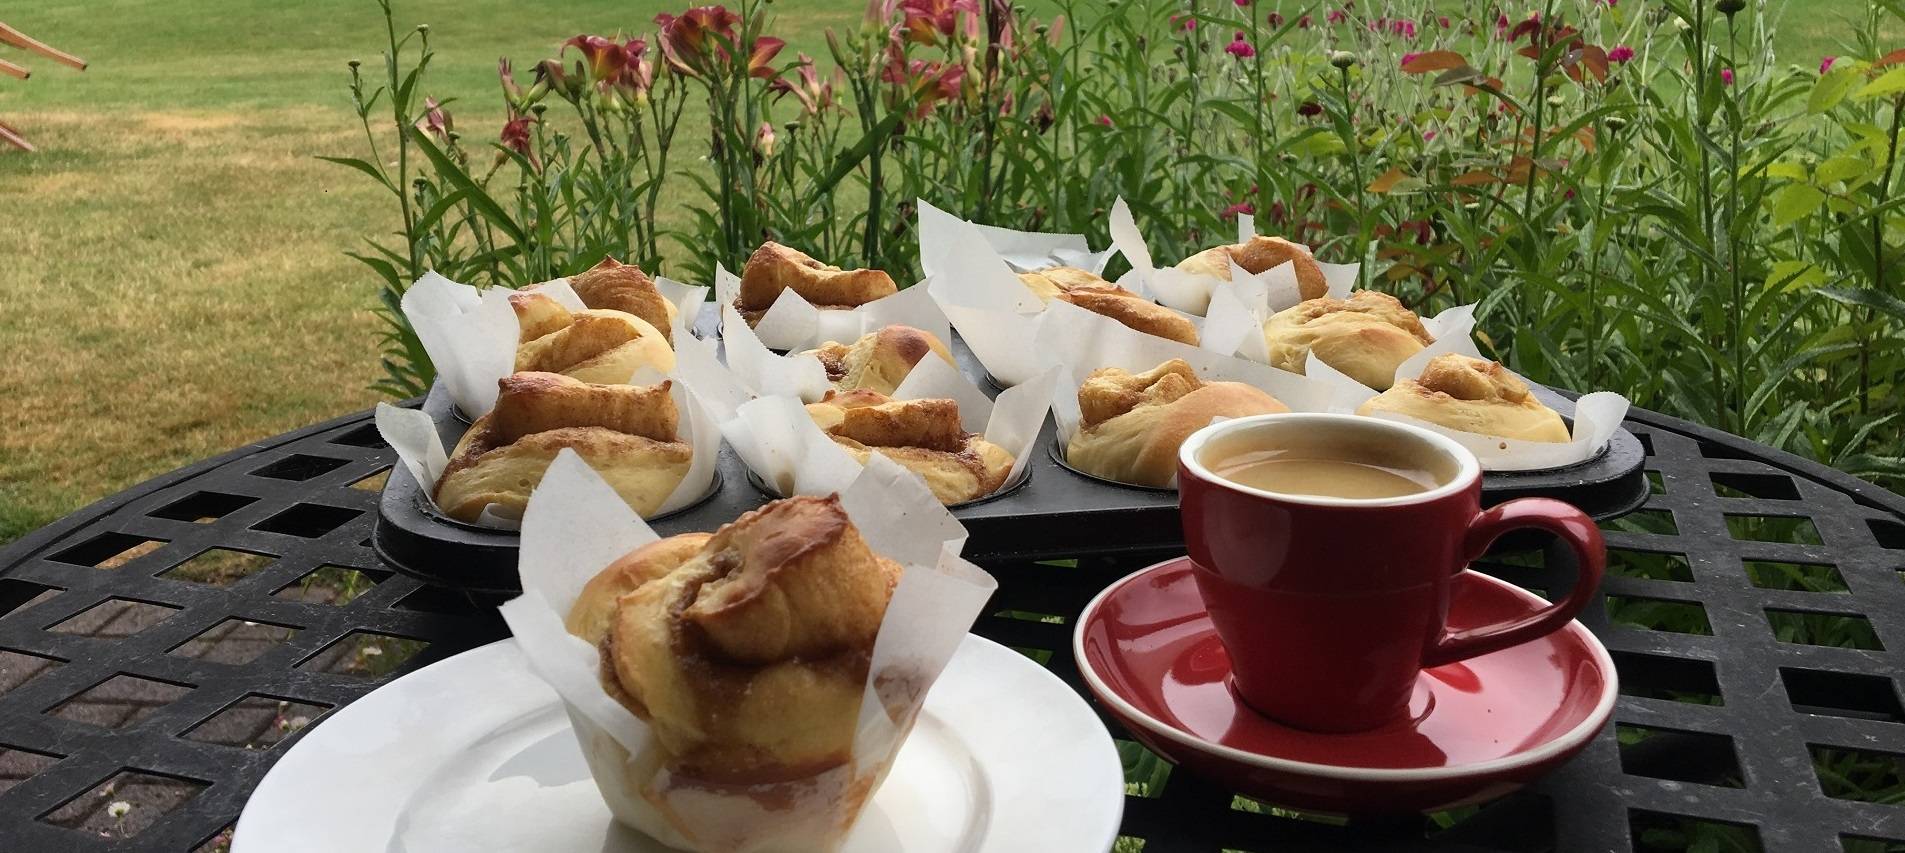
474,754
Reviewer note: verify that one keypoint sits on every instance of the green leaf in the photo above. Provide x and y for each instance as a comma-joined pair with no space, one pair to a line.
361,166
437,210
1867,298
1789,170
1795,275
1890,83
450,171
850,158
1794,202
1843,169
1831,89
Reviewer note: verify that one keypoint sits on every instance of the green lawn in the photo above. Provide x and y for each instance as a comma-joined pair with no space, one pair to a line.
174,283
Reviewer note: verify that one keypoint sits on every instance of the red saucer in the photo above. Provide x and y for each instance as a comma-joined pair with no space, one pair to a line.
1478,729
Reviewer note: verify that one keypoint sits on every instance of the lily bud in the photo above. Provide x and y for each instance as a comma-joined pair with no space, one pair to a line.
765,141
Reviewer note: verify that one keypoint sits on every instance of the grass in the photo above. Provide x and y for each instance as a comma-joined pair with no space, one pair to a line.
175,284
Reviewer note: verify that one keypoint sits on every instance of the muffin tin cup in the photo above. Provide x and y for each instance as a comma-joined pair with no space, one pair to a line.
1044,514
1012,485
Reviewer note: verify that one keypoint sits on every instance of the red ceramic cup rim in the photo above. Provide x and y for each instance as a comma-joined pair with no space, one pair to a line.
1468,469
1582,732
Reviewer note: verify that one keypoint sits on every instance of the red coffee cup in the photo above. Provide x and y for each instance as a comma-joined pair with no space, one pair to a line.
1330,607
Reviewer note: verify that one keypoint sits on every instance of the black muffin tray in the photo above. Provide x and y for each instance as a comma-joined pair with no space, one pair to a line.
1055,513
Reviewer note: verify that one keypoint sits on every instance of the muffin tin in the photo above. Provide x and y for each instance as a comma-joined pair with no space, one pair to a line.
1054,513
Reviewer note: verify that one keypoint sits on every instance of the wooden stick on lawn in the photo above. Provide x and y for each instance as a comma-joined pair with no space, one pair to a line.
23,41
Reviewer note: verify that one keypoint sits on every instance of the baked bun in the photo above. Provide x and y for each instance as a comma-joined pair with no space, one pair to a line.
925,436
595,345
1366,336
624,287
1256,255
1099,296
1132,423
774,268
878,361
627,433
1472,395
746,651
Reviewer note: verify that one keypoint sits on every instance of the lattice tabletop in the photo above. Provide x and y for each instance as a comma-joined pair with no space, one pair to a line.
160,649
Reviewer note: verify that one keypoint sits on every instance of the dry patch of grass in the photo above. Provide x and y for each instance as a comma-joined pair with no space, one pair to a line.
174,288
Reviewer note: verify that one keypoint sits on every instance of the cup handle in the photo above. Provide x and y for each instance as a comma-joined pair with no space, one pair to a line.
1560,519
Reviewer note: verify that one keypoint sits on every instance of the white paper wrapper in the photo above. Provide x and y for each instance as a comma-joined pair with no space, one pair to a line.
792,323
687,299
470,334
784,447
1083,341
1596,415
574,527
413,435
1192,293
761,371
1031,251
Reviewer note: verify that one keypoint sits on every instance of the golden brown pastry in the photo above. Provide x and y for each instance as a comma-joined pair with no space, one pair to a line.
1258,254
594,345
1099,296
1366,336
1131,424
878,361
627,433
624,287
1472,395
746,651
774,268
925,436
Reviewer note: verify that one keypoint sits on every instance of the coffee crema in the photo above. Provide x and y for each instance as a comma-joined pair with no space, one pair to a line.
1286,473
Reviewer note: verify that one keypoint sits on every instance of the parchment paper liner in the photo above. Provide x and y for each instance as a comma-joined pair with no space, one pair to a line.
471,335
1082,341
413,434
783,446
1191,293
977,287
1596,416
792,323
575,526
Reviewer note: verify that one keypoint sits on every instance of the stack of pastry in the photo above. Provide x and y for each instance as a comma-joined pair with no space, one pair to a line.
747,653
1257,255
617,286
774,268
594,345
627,433
878,361
1092,293
1366,336
1131,424
924,436
1475,395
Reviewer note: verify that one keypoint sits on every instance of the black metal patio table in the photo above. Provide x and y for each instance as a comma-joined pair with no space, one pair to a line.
175,638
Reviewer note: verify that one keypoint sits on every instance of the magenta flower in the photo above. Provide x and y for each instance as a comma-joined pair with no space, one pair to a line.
1501,25
1243,4
1407,58
1407,29
1240,207
1620,53
1336,16
1726,76
1825,64
1303,23
1240,48
1442,21
1104,120
1276,19
1428,136
1184,23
